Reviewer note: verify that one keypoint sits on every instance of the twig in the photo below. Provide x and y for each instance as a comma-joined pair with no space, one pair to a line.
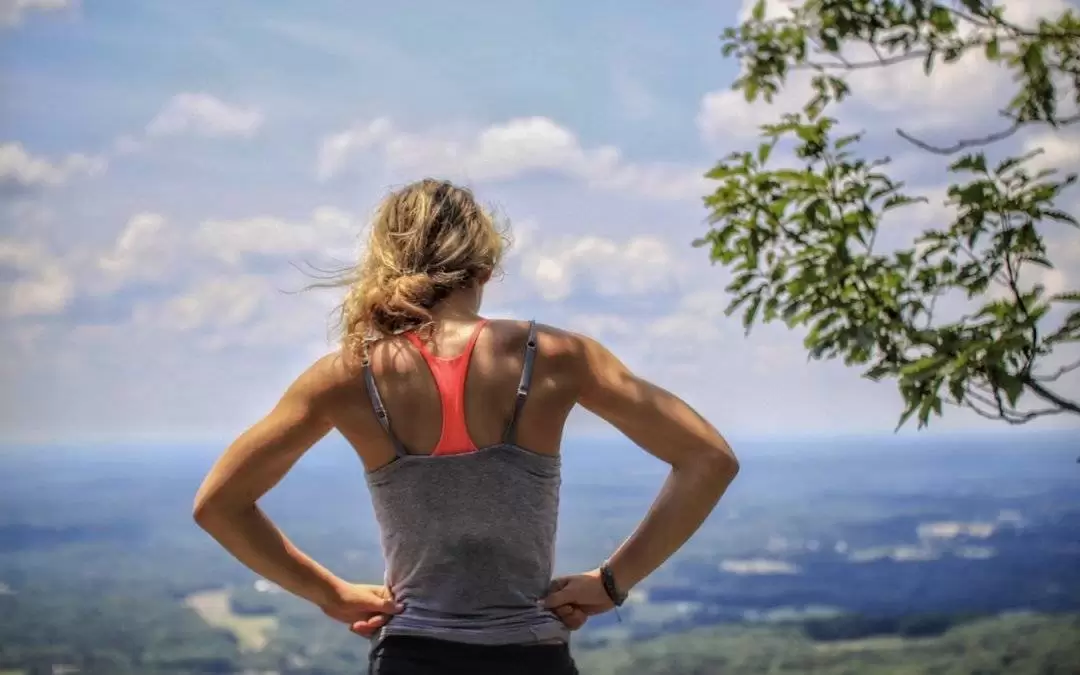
986,140
861,65
1008,414
1060,371
1013,272
1048,395
1013,28
837,55
877,52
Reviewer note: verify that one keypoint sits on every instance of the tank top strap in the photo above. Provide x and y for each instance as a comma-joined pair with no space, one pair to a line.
380,409
523,384
450,374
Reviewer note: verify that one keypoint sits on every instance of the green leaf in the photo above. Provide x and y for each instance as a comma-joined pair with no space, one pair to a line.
928,66
1060,216
974,163
941,19
906,415
923,368
1013,387
751,313
759,10
763,152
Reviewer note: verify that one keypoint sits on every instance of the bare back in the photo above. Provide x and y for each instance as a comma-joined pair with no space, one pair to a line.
412,400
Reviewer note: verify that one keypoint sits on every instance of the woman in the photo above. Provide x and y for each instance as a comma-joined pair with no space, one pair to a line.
458,422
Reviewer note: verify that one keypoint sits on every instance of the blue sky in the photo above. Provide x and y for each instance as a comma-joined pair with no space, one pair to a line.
163,165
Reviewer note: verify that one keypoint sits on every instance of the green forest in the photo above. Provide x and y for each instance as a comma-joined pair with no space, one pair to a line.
1017,645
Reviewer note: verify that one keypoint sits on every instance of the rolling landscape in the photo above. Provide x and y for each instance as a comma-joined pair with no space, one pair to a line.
850,555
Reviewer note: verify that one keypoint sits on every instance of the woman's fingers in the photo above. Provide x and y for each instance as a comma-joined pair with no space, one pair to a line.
367,627
571,616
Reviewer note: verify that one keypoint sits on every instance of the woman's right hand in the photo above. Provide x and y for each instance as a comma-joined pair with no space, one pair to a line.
577,597
363,607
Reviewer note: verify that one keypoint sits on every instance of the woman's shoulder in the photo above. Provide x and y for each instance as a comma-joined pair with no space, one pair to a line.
330,372
551,340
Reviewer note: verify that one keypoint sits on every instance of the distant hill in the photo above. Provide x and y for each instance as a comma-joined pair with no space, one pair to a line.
1008,645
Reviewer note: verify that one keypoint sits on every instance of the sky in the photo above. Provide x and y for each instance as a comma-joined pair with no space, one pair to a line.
169,170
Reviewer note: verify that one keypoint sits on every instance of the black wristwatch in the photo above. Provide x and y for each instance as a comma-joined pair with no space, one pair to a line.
610,587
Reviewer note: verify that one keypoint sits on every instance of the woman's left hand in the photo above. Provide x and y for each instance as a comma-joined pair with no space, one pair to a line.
575,598
363,607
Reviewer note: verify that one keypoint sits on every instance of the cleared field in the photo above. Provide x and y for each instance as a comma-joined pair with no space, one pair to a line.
867,644
252,632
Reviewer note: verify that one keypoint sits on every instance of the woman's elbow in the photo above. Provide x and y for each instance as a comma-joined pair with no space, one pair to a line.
720,462
207,511
201,512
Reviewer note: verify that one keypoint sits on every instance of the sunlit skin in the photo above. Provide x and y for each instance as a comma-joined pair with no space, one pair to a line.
571,369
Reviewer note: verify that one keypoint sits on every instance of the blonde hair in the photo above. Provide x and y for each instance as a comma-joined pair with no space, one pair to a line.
427,239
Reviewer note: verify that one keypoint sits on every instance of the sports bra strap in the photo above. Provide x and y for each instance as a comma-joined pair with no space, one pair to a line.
380,409
523,385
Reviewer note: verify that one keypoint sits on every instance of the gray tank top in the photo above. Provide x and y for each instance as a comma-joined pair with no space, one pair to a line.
469,538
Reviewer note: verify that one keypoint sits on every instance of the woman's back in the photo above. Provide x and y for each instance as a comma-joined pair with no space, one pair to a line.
468,529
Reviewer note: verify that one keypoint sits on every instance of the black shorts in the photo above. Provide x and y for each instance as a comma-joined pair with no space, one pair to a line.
408,655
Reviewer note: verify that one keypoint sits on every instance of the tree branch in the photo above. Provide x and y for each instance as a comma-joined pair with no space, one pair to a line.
1060,371
1014,272
844,64
998,411
985,140
1047,395
1013,28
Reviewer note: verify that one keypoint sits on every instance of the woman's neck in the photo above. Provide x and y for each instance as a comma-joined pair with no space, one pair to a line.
461,305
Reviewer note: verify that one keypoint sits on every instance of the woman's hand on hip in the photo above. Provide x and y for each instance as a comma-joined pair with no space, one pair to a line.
577,597
364,608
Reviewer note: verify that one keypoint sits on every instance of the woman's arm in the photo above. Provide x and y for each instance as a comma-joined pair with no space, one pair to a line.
225,505
702,468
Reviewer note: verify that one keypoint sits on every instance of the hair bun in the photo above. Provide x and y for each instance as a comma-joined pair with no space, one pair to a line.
414,289
431,226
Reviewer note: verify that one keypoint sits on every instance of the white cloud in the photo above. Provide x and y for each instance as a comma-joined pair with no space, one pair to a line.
918,102
236,309
142,252
337,148
328,230
42,285
1060,150
758,566
12,11
205,115
774,9
640,265
216,303
21,169
503,152
151,250
726,115
1028,12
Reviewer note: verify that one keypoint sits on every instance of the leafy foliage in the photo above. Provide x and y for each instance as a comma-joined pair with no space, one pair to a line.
802,242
